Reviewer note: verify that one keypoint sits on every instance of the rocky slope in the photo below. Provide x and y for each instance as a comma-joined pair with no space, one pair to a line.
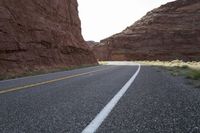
91,44
96,46
41,34
169,32
101,51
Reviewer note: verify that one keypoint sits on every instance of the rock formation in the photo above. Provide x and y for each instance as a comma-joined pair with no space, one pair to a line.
101,51
41,34
169,32
91,44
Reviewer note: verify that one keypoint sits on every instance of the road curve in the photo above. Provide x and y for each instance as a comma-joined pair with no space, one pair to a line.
67,102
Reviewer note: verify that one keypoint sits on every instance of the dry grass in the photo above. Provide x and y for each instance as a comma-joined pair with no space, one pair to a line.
103,62
190,70
175,63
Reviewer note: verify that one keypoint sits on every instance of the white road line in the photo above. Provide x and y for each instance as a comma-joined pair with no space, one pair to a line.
97,121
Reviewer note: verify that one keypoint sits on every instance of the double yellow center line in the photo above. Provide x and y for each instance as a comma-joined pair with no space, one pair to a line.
47,82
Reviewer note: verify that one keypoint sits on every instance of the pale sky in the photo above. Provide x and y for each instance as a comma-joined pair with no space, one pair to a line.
103,18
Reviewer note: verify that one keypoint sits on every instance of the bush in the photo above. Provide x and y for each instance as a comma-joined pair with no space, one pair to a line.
194,74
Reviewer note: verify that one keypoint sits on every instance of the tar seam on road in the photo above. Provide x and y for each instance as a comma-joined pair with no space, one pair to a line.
48,81
98,120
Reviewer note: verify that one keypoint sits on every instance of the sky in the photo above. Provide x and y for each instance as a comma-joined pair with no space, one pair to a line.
103,18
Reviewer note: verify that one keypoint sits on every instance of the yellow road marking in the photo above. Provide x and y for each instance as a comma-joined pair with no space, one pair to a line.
49,81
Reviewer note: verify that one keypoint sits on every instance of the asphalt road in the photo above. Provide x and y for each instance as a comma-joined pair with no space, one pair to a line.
67,102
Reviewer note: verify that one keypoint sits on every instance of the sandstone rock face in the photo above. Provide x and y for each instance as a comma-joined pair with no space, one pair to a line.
101,52
91,44
96,46
169,32
38,34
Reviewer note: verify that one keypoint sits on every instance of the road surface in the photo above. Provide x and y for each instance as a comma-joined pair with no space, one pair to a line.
100,99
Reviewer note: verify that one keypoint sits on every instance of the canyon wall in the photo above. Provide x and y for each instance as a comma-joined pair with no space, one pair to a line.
41,34
169,32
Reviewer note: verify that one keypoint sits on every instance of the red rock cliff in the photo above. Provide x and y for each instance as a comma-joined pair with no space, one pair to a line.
169,32
38,34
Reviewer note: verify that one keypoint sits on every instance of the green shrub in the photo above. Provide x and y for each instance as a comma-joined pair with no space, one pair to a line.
194,74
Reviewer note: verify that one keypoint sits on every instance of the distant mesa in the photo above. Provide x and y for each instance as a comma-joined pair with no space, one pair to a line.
38,34
169,32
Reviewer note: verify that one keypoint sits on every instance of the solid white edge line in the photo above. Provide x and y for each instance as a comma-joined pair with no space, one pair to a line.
97,121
